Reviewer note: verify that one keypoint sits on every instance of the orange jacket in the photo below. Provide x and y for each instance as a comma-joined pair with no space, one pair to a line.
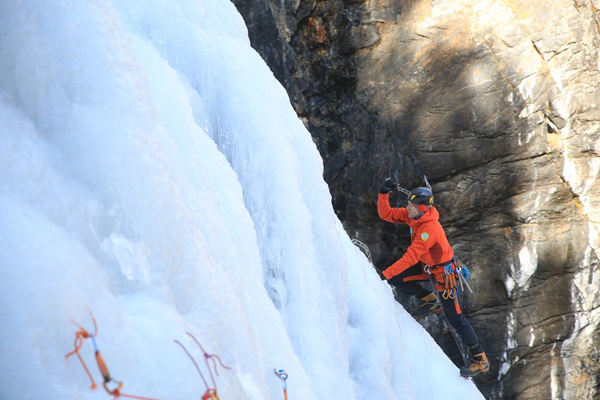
428,240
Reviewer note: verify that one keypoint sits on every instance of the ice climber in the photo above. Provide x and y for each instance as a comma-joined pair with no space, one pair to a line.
429,251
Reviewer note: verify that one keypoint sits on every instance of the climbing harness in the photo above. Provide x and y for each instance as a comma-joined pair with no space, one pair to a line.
449,285
211,392
283,376
82,334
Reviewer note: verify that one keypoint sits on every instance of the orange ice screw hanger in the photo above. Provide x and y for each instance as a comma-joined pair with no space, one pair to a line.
283,376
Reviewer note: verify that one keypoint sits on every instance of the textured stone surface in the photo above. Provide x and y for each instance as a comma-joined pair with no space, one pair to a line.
498,102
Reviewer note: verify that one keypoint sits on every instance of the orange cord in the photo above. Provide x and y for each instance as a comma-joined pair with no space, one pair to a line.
79,336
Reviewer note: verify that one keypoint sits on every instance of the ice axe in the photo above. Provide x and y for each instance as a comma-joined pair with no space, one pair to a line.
407,192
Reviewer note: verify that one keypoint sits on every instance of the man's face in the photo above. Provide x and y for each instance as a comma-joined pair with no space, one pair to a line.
413,211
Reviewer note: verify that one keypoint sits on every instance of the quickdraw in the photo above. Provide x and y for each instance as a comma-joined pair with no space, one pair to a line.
450,288
463,274
211,392
82,334
104,371
283,376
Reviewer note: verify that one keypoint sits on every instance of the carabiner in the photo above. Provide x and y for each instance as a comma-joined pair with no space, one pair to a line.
116,391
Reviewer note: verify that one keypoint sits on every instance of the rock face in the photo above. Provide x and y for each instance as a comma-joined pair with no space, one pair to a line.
498,103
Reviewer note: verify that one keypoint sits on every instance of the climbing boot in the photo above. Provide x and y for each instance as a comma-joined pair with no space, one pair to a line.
430,305
479,363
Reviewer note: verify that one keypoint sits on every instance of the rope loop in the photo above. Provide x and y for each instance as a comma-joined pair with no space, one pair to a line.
211,392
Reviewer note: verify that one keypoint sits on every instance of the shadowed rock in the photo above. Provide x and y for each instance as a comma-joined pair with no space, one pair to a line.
497,102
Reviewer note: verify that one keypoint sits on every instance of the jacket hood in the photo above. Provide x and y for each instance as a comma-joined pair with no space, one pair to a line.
430,215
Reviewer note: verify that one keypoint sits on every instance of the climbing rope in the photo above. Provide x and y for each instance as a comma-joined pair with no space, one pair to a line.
80,336
211,392
283,376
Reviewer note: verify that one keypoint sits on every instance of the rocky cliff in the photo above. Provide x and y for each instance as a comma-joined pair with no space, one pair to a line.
498,103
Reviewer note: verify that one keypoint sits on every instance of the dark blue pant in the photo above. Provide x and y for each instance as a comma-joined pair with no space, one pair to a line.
409,282
458,320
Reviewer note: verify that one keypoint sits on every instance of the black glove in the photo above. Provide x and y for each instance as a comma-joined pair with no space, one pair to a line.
383,278
388,186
